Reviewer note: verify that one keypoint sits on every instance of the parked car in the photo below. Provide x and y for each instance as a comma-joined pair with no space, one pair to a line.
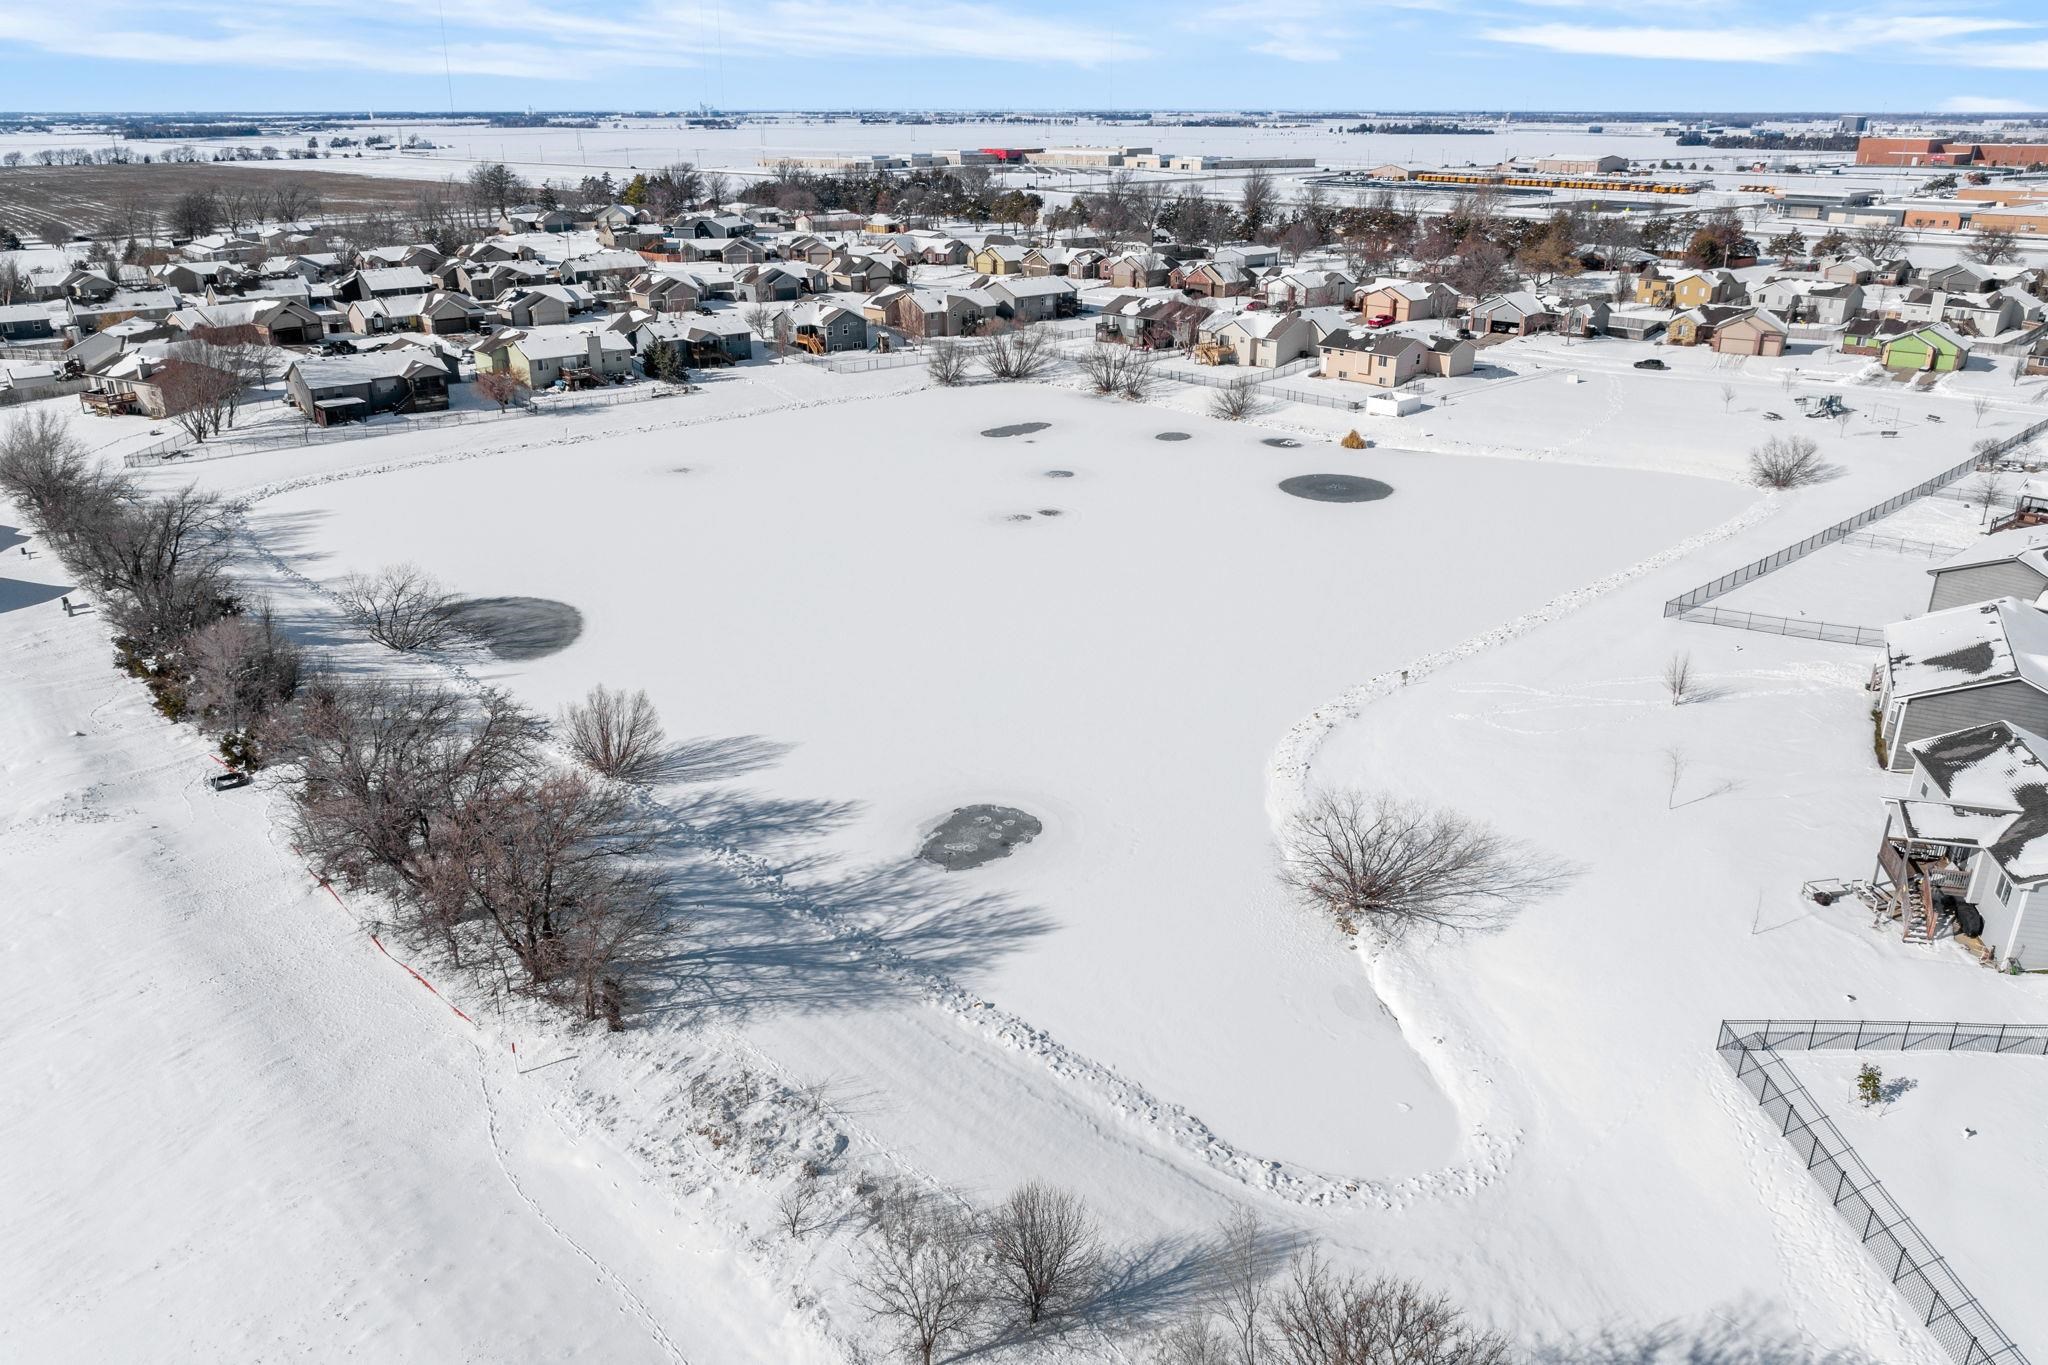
1651,364
1380,320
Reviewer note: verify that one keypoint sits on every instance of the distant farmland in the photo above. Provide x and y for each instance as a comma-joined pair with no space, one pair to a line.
85,198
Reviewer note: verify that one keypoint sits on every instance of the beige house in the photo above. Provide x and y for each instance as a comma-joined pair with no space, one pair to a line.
1407,300
1449,357
1360,355
1757,332
1265,338
541,356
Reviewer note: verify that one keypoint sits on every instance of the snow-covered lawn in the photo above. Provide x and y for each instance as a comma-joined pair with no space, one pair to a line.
1961,1149
835,603
906,616
233,1130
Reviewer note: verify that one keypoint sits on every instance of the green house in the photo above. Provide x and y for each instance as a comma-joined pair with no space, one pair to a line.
1932,347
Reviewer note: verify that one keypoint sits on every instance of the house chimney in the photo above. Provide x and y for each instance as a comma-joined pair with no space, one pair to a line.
594,347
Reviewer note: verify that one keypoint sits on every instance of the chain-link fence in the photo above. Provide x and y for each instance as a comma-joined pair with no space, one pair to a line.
1684,603
1949,1311
1798,627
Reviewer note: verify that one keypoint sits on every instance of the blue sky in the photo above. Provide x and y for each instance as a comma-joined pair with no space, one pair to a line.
1954,55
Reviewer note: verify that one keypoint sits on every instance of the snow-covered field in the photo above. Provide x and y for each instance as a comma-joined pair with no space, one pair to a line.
1959,1146
864,603
820,579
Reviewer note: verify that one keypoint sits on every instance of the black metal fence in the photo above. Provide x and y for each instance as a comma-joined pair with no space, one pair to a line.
1683,604
1949,1311
1871,637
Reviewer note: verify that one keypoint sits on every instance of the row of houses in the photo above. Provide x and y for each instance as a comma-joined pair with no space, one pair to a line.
1961,712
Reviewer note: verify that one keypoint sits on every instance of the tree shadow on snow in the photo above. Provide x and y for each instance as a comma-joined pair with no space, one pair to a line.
289,535
857,938
1742,1336
717,758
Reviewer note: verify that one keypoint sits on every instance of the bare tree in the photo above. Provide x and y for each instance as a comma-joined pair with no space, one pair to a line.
1879,241
616,735
1194,1340
1243,1297
1321,1318
557,866
1015,352
1987,488
1993,245
920,1274
502,387
1674,772
1787,462
382,775
1727,396
401,607
1103,366
241,669
1980,406
1139,376
794,1207
1043,1248
1237,400
1678,676
1379,859
946,362
760,320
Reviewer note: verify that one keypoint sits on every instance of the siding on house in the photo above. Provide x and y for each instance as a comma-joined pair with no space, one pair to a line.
1982,582
1922,717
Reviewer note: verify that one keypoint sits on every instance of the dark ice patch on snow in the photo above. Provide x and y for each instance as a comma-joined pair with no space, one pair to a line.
1281,442
973,835
1016,429
1171,436
1051,512
1018,516
1059,473
1335,488
518,627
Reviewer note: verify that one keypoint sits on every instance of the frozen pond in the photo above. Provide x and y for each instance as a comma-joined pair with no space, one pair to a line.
1121,672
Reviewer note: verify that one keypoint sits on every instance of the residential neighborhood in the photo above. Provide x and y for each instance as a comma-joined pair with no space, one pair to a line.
711,732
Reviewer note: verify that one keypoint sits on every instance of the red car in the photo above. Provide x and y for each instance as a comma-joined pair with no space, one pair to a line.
1380,320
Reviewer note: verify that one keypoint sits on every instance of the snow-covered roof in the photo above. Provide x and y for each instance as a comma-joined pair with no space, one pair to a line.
1998,547
558,343
342,371
1018,287
1968,646
1995,779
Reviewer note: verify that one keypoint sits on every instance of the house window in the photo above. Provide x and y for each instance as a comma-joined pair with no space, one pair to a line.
2003,890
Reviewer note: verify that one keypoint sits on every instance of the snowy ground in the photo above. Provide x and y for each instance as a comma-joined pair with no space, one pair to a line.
234,1130
843,613
1960,1149
870,612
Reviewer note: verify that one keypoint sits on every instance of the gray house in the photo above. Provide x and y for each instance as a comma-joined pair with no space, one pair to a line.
1950,670
331,389
2004,564
838,329
1969,839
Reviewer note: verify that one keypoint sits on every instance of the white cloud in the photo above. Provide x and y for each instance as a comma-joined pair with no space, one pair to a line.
526,39
1988,104
1818,36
